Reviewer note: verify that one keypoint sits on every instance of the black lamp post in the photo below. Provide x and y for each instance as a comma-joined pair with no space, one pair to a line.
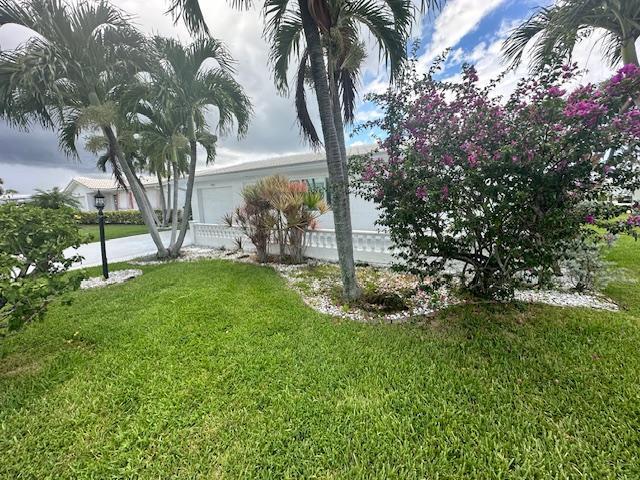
99,202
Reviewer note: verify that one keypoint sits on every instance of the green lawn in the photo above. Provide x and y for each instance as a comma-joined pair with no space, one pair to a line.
216,369
112,231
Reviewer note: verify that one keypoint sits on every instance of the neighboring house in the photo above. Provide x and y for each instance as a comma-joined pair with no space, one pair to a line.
116,197
14,197
217,189
217,192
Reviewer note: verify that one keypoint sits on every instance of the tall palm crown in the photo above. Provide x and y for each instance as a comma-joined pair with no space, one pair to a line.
340,24
555,30
194,78
80,54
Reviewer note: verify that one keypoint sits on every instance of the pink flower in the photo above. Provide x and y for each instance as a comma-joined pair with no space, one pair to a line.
421,192
444,192
589,219
629,69
473,160
634,220
447,160
588,110
368,174
555,91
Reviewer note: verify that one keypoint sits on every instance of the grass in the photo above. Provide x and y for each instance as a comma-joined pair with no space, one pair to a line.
112,231
215,369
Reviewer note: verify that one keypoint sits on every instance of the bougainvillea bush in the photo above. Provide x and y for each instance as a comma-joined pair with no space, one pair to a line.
499,186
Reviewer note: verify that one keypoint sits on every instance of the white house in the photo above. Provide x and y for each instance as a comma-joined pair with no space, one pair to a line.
217,192
217,189
84,189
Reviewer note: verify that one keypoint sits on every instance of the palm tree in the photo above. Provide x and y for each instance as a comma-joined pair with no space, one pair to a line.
555,30
183,87
55,199
325,25
64,77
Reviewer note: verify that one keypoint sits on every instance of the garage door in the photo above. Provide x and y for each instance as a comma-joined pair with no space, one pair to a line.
215,203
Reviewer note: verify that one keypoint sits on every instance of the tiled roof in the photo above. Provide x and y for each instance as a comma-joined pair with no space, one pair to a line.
107,183
282,161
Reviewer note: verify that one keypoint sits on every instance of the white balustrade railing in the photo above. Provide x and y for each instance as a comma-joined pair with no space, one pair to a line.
368,246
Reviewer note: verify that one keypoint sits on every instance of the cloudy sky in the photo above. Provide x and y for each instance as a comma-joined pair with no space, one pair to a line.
472,29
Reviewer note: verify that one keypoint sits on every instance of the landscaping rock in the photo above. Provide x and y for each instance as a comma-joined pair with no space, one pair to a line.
119,276
566,299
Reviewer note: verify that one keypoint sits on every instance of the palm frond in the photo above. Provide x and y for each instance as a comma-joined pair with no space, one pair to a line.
307,128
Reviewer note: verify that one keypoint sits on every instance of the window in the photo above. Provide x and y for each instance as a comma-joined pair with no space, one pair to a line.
318,185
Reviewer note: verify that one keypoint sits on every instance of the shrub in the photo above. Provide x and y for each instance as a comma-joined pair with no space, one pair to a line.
498,188
584,266
276,209
32,260
255,218
122,217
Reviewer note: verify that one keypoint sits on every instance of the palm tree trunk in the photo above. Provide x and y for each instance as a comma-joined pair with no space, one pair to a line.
169,209
138,194
186,211
337,118
146,198
163,201
174,219
629,52
339,188
132,179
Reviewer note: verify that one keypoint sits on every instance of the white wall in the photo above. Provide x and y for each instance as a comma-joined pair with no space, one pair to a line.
84,196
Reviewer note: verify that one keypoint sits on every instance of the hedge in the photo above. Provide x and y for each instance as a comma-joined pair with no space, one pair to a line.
122,217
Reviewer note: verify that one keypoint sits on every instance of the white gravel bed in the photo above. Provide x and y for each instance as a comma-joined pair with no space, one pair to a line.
191,254
118,276
566,299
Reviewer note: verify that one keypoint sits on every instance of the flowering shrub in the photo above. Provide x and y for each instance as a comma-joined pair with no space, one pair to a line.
498,187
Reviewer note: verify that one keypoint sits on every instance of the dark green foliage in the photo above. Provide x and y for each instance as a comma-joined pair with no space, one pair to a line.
123,217
32,262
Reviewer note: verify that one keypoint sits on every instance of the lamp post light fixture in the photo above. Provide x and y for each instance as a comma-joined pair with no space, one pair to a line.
99,203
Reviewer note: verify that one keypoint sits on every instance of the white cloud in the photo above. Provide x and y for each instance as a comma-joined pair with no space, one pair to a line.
457,19
367,115
488,61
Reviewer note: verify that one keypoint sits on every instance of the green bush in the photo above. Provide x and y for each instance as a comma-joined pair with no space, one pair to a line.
121,217
32,260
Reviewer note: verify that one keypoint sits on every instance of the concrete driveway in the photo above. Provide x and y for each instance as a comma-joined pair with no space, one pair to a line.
120,249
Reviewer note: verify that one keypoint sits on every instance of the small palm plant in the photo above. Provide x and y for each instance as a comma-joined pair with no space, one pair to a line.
303,207
256,218
276,209
54,199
